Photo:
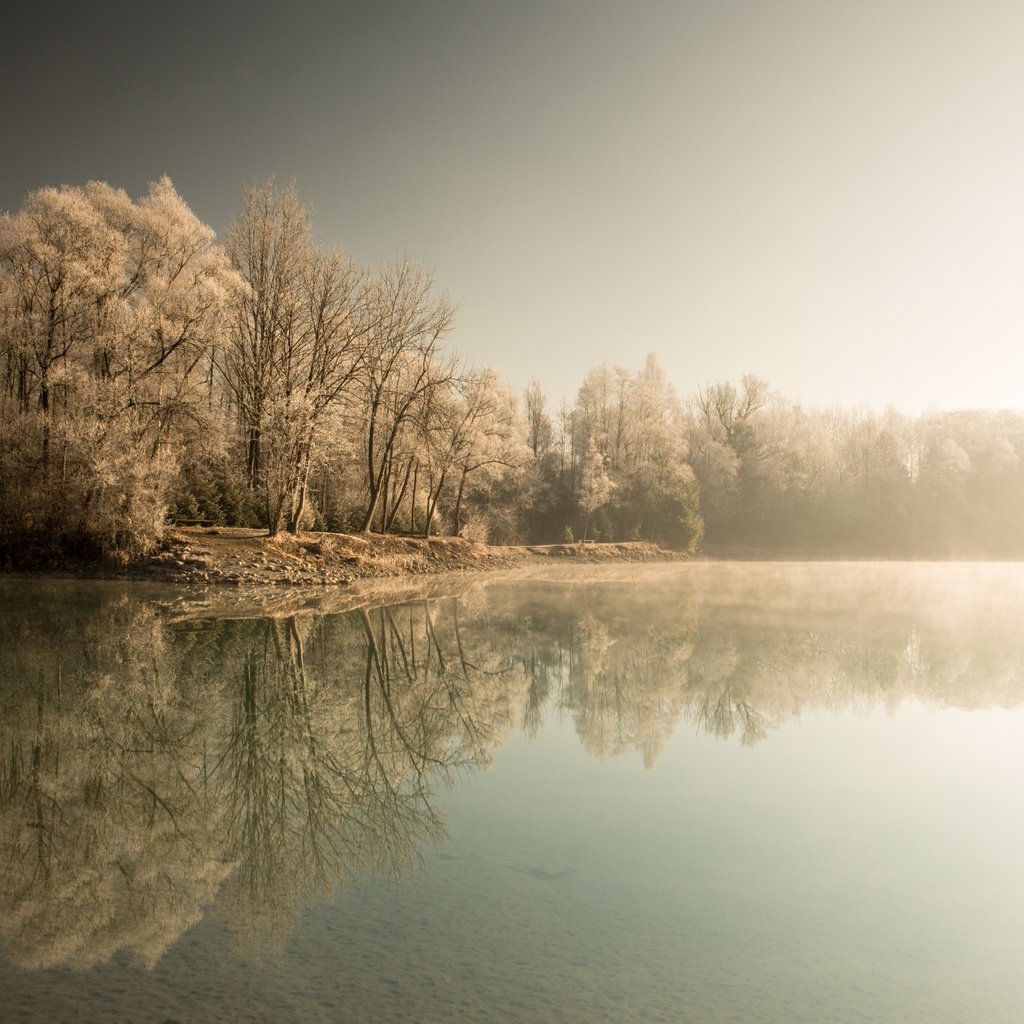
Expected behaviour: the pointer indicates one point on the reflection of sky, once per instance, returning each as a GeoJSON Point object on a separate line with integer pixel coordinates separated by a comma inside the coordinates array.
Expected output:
{"type": "Point", "coordinates": [851, 867]}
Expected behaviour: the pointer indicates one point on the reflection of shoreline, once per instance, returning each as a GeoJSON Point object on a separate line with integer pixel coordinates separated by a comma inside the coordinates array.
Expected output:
{"type": "Point", "coordinates": [154, 762]}
{"type": "Point", "coordinates": [891, 586]}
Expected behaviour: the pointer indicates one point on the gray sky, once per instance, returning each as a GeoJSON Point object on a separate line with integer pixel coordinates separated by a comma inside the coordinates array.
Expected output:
{"type": "Point", "coordinates": [827, 194]}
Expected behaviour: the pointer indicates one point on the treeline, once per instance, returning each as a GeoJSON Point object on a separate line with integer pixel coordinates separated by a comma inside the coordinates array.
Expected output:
{"type": "Point", "coordinates": [266, 380]}
{"type": "Point", "coordinates": [152, 372]}
{"type": "Point", "coordinates": [947, 484]}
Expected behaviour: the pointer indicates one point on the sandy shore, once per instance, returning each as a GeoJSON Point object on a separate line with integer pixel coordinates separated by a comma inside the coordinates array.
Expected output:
{"type": "Point", "coordinates": [235, 556]}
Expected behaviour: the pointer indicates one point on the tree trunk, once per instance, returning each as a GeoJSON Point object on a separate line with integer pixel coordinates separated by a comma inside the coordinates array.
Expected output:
{"type": "Point", "coordinates": [297, 504]}
{"type": "Point", "coordinates": [252, 457]}
{"type": "Point", "coordinates": [275, 513]}
{"type": "Point", "coordinates": [412, 500]}
{"type": "Point", "coordinates": [385, 500]}
{"type": "Point", "coordinates": [364, 526]}
{"type": "Point", "coordinates": [44, 406]}
{"type": "Point", "coordinates": [458, 503]}
{"type": "Point", "coordinates": [432, 506]}
{"type": "Point", "coordinates": [375, 487]}
{"type": "Point", "coordinates": [396, 501]}
{"type": "Point", "coordinates": [298, 507]}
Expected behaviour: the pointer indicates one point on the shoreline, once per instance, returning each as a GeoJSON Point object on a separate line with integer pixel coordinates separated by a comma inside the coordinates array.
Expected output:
{"type": "Point", "coordinates": [234, 557]}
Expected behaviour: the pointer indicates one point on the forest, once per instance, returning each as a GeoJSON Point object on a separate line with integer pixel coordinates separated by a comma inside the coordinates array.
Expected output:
{"type": "Point", "coordinates": [155, 374]}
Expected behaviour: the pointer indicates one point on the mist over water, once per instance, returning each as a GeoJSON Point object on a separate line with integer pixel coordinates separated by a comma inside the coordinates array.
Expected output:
{"type": "Point", "coordinates": [704, 791]}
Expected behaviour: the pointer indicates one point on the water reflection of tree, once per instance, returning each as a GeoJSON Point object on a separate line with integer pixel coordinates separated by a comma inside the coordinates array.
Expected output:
{"type": "Point", "coordinates": [101, 847]}
{"type": "Point", "coordinates": [613, 667]}
{"type": "Point", "coordinates": [329, 766]}
{"type": "Point", "coordinates": [628, 668]}
{"type": "Point", "coordinates": [150, 766]}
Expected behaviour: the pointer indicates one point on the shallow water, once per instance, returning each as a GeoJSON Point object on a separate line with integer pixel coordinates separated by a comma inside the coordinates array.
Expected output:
{"type": "Point", "coordinates": [710, 793]}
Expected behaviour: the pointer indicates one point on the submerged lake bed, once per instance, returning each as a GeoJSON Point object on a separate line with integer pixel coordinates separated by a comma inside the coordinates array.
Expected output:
{"type": "Point", "coordinates": [708, 792]}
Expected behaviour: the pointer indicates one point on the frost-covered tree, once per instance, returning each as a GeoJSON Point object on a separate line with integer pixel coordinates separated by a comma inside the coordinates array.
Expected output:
{"type": "Point", "coordinates": [110, 310]}
{"type": "Point", "coordinates": [539, 431]}
{"type": "Point", "coordinates": [476, 440]}
{"type": "Point", "coordinates": [596, 485]}
{"type": "Point", "coordinates": [295, 347]}
{"type": "Point", "coordinates": [404, 370]}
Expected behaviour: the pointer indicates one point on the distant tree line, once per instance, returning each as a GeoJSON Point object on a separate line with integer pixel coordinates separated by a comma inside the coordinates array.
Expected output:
{"type": "Point", "coordinates": [851, 482]}
{"type": "Point", "coordinates": [154, 373]}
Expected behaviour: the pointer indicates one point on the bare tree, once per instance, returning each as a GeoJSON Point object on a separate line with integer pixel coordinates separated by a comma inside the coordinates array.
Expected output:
{"type": "Point", "coordinates": [539, 431]}
{"type": "Point", "coordinates": [403, 369]}
{"type": "Point", "coordinates": [295, 348]}
{"type": "Point", "coordinates": [474, 431]}
{"type": "Point", "coordinates": [269, 246]}
{"type": "Point", "coordinates": [726, 412]}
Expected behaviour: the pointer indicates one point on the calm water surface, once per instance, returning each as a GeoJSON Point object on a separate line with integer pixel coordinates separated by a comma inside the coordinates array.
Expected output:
{"type": "Point", "coordinates": [778, 793]}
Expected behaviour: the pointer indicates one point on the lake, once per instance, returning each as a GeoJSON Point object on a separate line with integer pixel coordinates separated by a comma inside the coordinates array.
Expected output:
{"type": "Point", "coordinates": [695, 792]}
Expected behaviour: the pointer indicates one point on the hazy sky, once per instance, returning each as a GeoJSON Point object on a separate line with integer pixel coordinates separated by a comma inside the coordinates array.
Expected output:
{"type": "Point", "coordinates": [827, 194]}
